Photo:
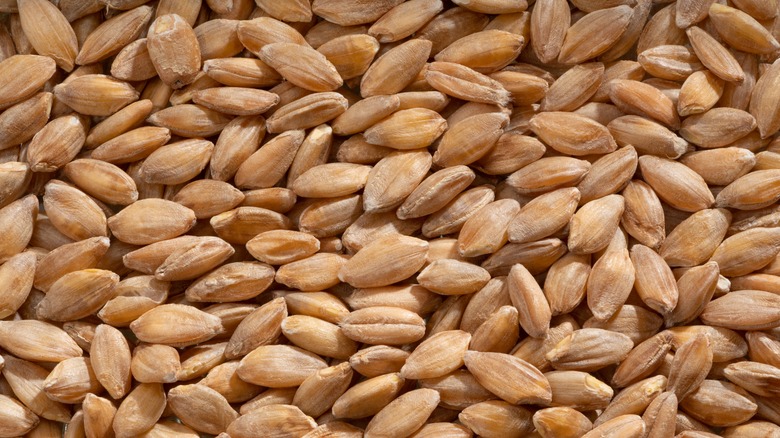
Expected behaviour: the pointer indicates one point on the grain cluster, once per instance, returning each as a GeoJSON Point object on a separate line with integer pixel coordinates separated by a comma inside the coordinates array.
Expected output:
{"type": "Point", "coordinates": [390, 218]}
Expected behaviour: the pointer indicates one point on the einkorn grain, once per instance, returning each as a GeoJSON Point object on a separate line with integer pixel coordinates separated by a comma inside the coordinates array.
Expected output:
{"type": "Point", "coordinates": [389, 218]}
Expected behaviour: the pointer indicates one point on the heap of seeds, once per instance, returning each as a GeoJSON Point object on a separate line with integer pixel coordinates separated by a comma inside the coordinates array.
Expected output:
{"type": "Point", "coordinates": [389, 218]}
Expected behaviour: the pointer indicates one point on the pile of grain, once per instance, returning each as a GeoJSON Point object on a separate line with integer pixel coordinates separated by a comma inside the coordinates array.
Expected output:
{"type": "Point", "coordinates": [337, 218]}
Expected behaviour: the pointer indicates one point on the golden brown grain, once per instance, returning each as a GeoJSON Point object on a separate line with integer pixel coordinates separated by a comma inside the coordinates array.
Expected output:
{"type": "Point", "coordinates": [511, 218]}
